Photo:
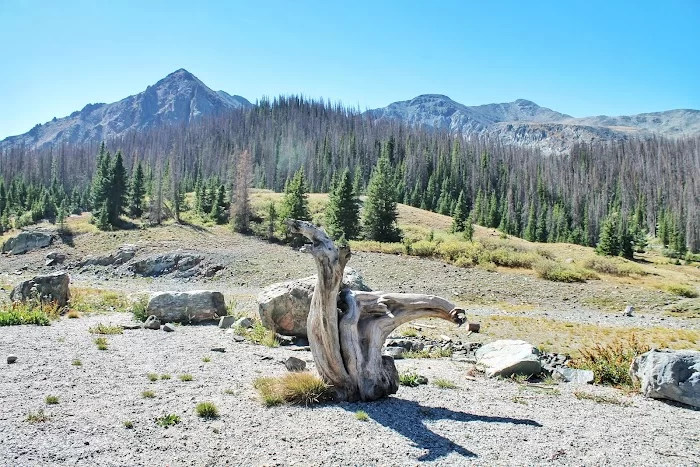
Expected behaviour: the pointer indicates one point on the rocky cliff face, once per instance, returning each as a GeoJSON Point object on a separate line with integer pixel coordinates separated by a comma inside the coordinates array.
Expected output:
{"type": "Point", "coordinates": [178, 98]}
{"type": "Point", "coordinates": [525, 123]}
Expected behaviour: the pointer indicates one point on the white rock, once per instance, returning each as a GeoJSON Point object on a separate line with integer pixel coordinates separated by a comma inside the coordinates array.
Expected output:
{"type": "Point", "coordinates": [507, 357]}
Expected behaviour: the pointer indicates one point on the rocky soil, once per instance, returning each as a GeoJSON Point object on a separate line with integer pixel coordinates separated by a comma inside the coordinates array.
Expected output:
{"type": "Point", "coordinates": [482, 422]}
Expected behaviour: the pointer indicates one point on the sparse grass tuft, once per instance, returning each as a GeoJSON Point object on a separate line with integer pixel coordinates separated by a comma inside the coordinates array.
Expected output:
{"type": "Point", "coordinates": [165, 376]}
{"type": "Point", "coordinates": [409, 332]}
{"type": "Point", "coordinates": [682, 290]}
{"type": "Point", "coordinates": [520, 379]}
{"type": "Point", "coordinates": [685, 309]}
{"type": "Point", "coordinates": [435, 353]}
{"type": "Point", "coordinates": [259, 334]}
{"type": "Point", "coordinates": [614, 267]}
{"type": "Point", "coordinates": [611, 362]}
{"type": "Point", "coordinates": [148, 394]}
{"type": "Point", "coordinates": [362, 416]}
{"type": "Point", "coordinates": [152, 377]}
{"type": "Point", "coordinates": [207, 410]}
{"type": "Point", "coordinates": [72, 314]}
{"type": "Point", "coordinates": [106, 329]}
{"type": "Point", "coordinates": [101, 343]}
{"type": "Point", "coordinates": [76, 362]}
{"type": "Point", "coordinates": [128, 424]}
{"type": "Point", "coordinates": [444, 384]}
{"type": "Point", "coordinates": [38, 417]}
{"type": "Point", "coordinates": [139, 309]}
{"type": "Point", "coordinates": [168, 420]}
{"type": "Point", "coordinates": [294, 388]}
{"type": "Point", "coordinates": [206, 359]}
{"type": "Point", "coordinates": [600, 399]}
{"type": "Point", "coordinates": [51, 400]}
{"type": "Point", "coordinates": [186, 377]}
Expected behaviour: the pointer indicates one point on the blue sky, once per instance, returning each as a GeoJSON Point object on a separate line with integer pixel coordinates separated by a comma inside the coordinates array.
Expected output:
{"type": "Point", "coordinates": [577, 57]}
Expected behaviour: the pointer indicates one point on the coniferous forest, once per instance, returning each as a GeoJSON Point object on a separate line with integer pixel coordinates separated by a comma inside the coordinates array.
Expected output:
{"type": "Point", "coordinates": [610, 194]}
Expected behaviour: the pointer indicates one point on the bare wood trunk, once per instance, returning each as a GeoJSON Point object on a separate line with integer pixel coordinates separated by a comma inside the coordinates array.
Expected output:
{"type": "Point", "coordinates": [347, 329]}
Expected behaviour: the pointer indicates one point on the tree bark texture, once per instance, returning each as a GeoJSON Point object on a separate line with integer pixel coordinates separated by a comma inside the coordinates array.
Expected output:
{"type": "Point", "coordinates": [347, 329]}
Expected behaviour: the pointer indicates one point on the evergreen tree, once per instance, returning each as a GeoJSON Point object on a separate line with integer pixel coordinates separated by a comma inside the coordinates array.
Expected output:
{"type": "Point", "coordinates": [343, 211]}
{"type": "Point", "coordinates": [380, 212]}
{"type": "Point", "coordinates": [137, 192]}
{"type": "Point", "coordinates": [459, 217]}
{"type": "Point", "coordinates": [626, 241]}
{"type": "Point", "coordinates": [240, 210]}
{"type": "Point", "coordinates": [531, 228]}
{"type": "Point", "coordinates": [469, 228]}
{"type": "Point", "coordinates": [219, 209]}
{"type": "Point", "coordinates": [271, 221]}
{"type": "Point", "coordinates": [101, 186]}
{"type": "Point", "coordinates": [61, 216]}
{"type": "Point", "coordinates": [295, 204]}
{"type": "Point", "coordinates": [609, 243]}
{"type": "Point", "coordinates": [493, 219]}
{"type": "Point", "coordinates": [102, 221]}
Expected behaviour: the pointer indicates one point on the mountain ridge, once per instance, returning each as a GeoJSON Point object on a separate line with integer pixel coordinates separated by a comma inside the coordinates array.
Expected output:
{"type": "Point", "coordinates": [180, 98]}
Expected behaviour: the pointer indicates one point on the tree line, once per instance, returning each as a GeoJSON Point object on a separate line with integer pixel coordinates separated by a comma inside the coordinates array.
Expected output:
{"type": "Point", "coordinates": [626, 189]}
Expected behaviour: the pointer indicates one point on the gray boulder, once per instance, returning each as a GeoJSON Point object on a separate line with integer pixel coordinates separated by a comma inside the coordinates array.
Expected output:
{"type": "Point", "coordinates": [226, 322]}
{"type": "Point", "coordinates": [294, 364]}
{"type": "Point", "coordinates": [573, 375]}
{"type": "Point", "coordinates": [54, 257]}
{"type": "Point", "coordinates": [123, 254]}
{"type": "Point", "coordinates": [187, 307]}
{"type": "Point", "coordinates": [169, 327]}
{"type": "Point", "coordinates": [669, 374]}
{"type": "Point", "coordinates": [508, 357]}
{"type": "Point", "coordinates": [47, 288]}
{"type": "Point", "coordinates": [27, 241]}
{"type": "Point", "coordinates": [394, 352]}
{"type": "Point", "coordinates": [284, 307]}
{"type": "Point", "coordinates": [157, 265]}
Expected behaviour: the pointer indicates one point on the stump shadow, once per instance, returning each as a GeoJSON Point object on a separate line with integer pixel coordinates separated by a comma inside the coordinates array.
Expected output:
{"type": "Point", "coordinates": [407, 418]}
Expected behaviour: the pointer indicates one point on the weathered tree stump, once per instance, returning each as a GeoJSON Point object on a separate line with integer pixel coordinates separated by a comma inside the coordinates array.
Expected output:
{"type": "Point", "coordinates": [347, 328]}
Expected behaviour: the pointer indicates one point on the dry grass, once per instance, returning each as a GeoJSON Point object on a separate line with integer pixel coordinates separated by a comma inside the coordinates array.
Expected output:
{"type": "Point", "coordinates": [611, 362]}
{"type": "Point", "coordinates": [614, 266]}
{"type": "Point", "coordinates": [685, 309]}
{"type": "Point", "coordinates": [106, 329]}
{"type": "Point", "coordinates": [601, 399]}
{"type": "Point", "coordinates": [293, 388]}
{"type": "Point", "coordinates": [89, 300]}
{"type": "Point", "coordinates": [682, 290]}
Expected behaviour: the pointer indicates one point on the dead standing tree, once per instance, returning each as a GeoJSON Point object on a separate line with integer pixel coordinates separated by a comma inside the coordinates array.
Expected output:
{"type": "Point", "coordinates": [347, 329]}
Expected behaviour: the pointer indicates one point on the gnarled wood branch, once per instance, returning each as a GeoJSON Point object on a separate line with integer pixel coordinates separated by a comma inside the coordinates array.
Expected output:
{"type": "Point", "coordinates": [347, 329]}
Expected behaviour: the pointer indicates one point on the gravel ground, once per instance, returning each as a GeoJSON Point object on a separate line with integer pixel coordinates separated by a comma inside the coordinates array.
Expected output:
{"type": "Point", "coordinates": [483, 422]}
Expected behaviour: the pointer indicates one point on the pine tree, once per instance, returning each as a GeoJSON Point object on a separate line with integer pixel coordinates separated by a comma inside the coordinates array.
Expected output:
{"type": "Point", "coordinates": [626, 241]}
{"type": "Point", "coordinates": [469, 228]}
{"type": "Point", "coordinates": [295, 204]}
{"type": "Point", "coordinates": [101, 186]}
{"type": "Point", "coordinates": [493, 218]}
{"type": "Point", "coordinates": [380, 212]}
{"type": "Point", "coordinates": [343, 211]}
{"type": "Point", "coordinates": [459, 217]}
{"type": "Point", "coordinates": [240, 209]}
{"type": "Point", "coordinates": [531, 228]}
{"type": "Point", "coordinates": [61, 216]}
{"type": "Point", "coordinates": [609, 243]}
{"type": "Point", "coordinates": [102, 221]}
{"type": "Point", "coordinates": [137, 192]}
{"type": "Point", "coordinates": [219, 209]}
{"type": "Point", "coordinates": [271, 221]}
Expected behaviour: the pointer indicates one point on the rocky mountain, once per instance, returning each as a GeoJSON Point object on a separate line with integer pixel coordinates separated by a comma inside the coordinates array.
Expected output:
{"type": "Point", "coordinates": [178, 98]}
{"type": "Point", "coordinates": [525, 123]}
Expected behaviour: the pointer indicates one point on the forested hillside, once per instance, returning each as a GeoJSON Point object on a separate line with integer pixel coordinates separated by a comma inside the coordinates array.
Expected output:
{"type": "Point", "coordinates": [640, 186]}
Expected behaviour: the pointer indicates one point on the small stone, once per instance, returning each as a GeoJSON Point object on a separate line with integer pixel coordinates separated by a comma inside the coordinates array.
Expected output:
{"type": "Point", "coordinates": [169, 327]}
{"type": "Point", "coordinates": [295, 364]}
{"type": "Point", "coordinates": [474, 327]}
{"type": "Point", "coordinates": [572, 375]}
{"type": "Point", "coordinates": [11, 359]}
{"type": "Point", "coordinates": [227, 321]}
{"type": "Point", "coordinates": [421, 379]}
{"type": "Point", "coordinates": [628, 310]}
{"type": "Point", "coordinates": [244, 323]}
{"type": "Point", "coordinates": [238, 338]}
{"type": "Point", "coordinates": [152, 323]}
{"type": "Point", "coordinates": [445, 338]}
{"type": "Point", "coordinates": [218, 349]}
{"type": "Point", "coordinates": [131, 326]}
{"type": "Point", "coordinates": [284, 340]}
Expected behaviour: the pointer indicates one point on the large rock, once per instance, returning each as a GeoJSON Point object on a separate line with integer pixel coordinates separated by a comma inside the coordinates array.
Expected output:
{"type": "Point", "coordinates": [284, 307]}
{"type": "Point", "coordinates": [48, 288]}
{"type": "Point", "coordinates": [508, 357]}
{"type": "Point", "coordinates": [669, 374]}
{"type": "Point", "coordinates": [187, 307]}
{"type": "Point", "coordinates": [27, 241]}
{"type": "Point", "coordinates": [166, 263]}
{"type": "Point", "coordinates": [123, 254]}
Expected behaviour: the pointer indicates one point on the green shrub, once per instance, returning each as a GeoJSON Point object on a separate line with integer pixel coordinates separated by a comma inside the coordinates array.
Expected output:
{"type": "Point", "coordinates": [444, 384]}
{"type": "Point", "coordinates": [148, 394]}
{"type": "Point", "coordinates": [610, 363]}
{"type": "Point", "coordinates": [128, 424]}
{"type": "Point", "coordinates": [38, 417]}
{"type": "Point", "coordinates": [101, 343]}
{"type": "Point", "coordinates": [139, 309]}
{"type": "Point", "coordinates": [556, 272]}
{"type": "Point", "coordinates": [186, 377]}
{"type": "Point", "coordinates": [207, 410]}
{"type": "Point", "coordinates": [19, 313]}
{"type": "Point", "coordinates": [423, 248]}
{"type": "Point", "coordinates": [412, 379]}
{"type": "Point", "coordinates": [614, 267]}
{"type": "Point", "coordinates": [259, 334]}
{"type": "Point", "coordinates": [168, 420]}
{"type": "Point", "coordinates": [682, 290]}
{"type": "Point", "coordinates": [508, 258]}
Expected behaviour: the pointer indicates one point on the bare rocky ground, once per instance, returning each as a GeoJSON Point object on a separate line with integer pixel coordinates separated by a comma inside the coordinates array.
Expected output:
{"type": "Point", "coordinates": [482, 422]}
